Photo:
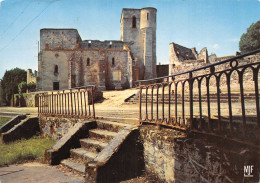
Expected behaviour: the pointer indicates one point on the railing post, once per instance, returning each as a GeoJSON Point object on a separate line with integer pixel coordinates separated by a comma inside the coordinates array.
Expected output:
{"type": "Point", "coordinates": [152, 102]}
{"type": "Point", "coordinates": [218, 104]}
{"type": "Point", "coordinates": [208, 103]}
{"type": "Point", "coordinates": [191, 99]}
{"type": "Point", "coordinates": [157, 103]}
{"type": "Point", "coordinates": [242, 102]}
{"type": "Point", "coordinates": [93, 107]}
{"type": "Point", "coordinates": [71, 100]}
{"type": "Point", "coordinates": [51, 102]}
{"type": "Point", "coordinates": [140, 103]}
{"type": "Point", "coordinates": [229, 104]}
{"type": "Point", "coordinates": [183, 105]}
{"type": "Point", "coordinates": [169, 104]}
{"type": "Point", "coordinates": [256, 70]}
{"type": "Point", "coordinates": [146, 103]}
{"type": "Point", "coordinates": [162, 102]}
{"type": "Point", "coordinates": [176, 103]}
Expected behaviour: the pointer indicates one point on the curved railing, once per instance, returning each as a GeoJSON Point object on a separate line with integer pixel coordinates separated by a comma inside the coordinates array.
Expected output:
{"type": "Point", "coordinates": [159, 98]}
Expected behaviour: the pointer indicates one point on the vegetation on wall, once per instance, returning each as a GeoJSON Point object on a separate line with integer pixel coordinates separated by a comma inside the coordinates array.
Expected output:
{"type": "Point", "coordinates": [9, 83]}
{"type": "Point", "coordinates": [250, 40]}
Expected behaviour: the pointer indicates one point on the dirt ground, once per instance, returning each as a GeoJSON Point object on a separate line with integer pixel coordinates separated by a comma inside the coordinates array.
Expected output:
{"type": "Point", "coordinates": [37, 173]}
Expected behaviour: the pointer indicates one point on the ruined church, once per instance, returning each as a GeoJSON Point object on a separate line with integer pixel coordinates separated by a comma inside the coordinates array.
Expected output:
{"type": "Point", "coordinates": [66, 61]}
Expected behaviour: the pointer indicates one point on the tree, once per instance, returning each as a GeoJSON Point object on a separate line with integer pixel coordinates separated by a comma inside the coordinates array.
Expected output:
{"type": "Point", "coordinates": [250, 40]}
{"type": "Point", "coordinates": [31, 87]}
{"type": "Point", "coordinates": [22, 87]}
{"type": "Point", "coordinates": [9, 83]}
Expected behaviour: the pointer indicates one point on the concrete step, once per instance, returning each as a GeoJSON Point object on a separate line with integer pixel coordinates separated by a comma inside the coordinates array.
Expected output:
{"type": "Point", "coordinates": [93, 144]}
{"type": "Point", "coordinates": [102, 134]}
{"type": "Point", "coordinates": [75, 165]}
{"type": "Point", "coordinates": [83, 154]}
{"type": "Point", "coordinates": [110, 126]}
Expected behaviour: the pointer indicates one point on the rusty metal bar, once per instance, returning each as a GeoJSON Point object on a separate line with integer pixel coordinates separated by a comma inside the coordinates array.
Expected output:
{"type": "Point", "coordinates": [71, 100]}
{"type": "Point", "coordinates": [152, 103]}
{"type": "Point", "coordinates": [52, 102]}
{"type": "Point", "coordinates": [200, 103]}
{"type": "Point", "coordinates": [242, 103]}
{"type": "Point", "coordinates": [218, 103]}
{"type": "Point", "coordinates": [257, 95]}
{"type": "Point", "coordinates": [157, 103]}
{"type": "Point", "coordinates": [93, 108]}
{"type": "Point", "coordinates": [146, 103]}
{"type": "Point", "coordinates": [78, 113]}
{"type": "Point", "coordinates": [163, 102]}
{"type": "Point", "coordinates": [183, 105]}
{"type": "Point", "coordinates": [208, 103]}
{"type": "Point", "coordinates": [191, 99]}
{"type": "Point", "coordinates": [176, 103]}
{"type": "Point", "coordinates": [89, 112]}
{"type": "Point", "coordinates": [39, 105]}
{"type": "Point", "coordinates": [62, 102]}
{"type": "Point", "coordinates": [229, 104]}
{"type": "Point", "coordinates": [140, 104]}
{"type": "Point", "coordinates": [85, 101]}
{"type": "Point", "coordinates": [81, 103]}
{"type": "Point", "coordinates": [169, 104]}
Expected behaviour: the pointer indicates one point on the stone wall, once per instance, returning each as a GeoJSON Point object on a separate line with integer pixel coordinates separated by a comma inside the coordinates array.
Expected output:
{"type": "Point", "coordinates": [31, 77]}
{"type": "Point", "coordinates": [83, 67]}
{"type": "Point", "coordinates": [56, 127]}
{"type": "Point", "coordinates": [171, 156]}
{"type": "Point", "coordinates": [26, 100]}
{"type": "Point", "coordinates": [58, 39]}
{"type": "Point", "coordinates": [162, 70]}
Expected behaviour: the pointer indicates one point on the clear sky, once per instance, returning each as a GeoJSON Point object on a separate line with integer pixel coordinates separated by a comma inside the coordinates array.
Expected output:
{"type": "Point", "coordinates": [215, 24]}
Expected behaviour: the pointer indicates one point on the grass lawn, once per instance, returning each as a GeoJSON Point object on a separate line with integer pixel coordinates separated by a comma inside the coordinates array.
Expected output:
{"type": "Point", "coordinates": [22, 151]}
{"type": "Point", "coordinates": [3, 120]}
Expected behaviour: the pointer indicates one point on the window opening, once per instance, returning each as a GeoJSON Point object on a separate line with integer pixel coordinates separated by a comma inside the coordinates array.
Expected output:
{"type": "Point", "coordinates": [56, 85]}
{"type": "Point", "coordinates": [134, 22]}
{"type": "Point", "coordinates": [113, 61]}
{"type": "Point", "coordinates": [56, 69]}
{"type": "Point", "coordinates": [88, 61]}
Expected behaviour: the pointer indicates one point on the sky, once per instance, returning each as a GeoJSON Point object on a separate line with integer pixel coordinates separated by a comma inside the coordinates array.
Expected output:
{"type": "Point", "coordinates": [215, 24]}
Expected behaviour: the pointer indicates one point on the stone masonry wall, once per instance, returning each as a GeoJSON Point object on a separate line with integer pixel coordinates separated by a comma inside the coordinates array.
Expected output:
{"type": "Point", "coordinates": [171, 156]}
{"type": "Point", "coordinates": [56, 127]}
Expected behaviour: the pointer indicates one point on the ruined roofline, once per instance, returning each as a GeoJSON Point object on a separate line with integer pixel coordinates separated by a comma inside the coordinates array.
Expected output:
{"type": "Point", "coordinates": [182, 46]}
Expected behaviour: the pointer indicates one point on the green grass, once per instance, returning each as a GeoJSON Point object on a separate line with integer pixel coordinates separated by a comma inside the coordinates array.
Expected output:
{"type": "Point", "coordinates": [3, 120]}
{"type": "Point", "coordinates": [22, 151]}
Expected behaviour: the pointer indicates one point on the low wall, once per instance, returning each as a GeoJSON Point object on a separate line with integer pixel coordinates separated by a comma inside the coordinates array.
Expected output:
{"type": "Point", "coordinates": [56, 127]}
{"type": "Point", "coordinates": [27, 128]}
{"type": "Point", "coordinates": [171, 156]}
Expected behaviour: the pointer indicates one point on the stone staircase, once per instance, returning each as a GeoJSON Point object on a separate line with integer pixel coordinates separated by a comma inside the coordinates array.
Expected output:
{"type": "Point", "coordinates": [97, 139]}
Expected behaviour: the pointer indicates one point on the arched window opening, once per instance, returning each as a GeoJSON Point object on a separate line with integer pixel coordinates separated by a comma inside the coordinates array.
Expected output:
{"type": "Point", "coordinates": [56, 69]}
{"type": "Point", "coordinates": [134, 22]}
{"type": "Point", "coordinates": [88, 61]}
{"type": "Point", "coordinates": [113, 61]}
{"type": "Point", "coordinates": [147, 16]}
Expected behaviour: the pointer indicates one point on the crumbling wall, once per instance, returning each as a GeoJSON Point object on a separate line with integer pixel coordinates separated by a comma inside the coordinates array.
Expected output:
{"type": "Point", "coordinates": [58, 39]}
{"type": "Point", "coordinates": [171, 156]}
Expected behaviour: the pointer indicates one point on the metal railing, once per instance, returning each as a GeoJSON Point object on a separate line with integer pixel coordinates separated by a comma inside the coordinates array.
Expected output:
{"type": "Point", "coordinates": [75, 102]}
{"type": "Point", "coordinates": [159, 98]}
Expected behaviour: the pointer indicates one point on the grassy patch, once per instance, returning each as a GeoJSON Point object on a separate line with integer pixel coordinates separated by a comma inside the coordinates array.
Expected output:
{"type": "Point", "coordinates": [23, 150]}
{"type": "Point", "coordinates": [3, 120]}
